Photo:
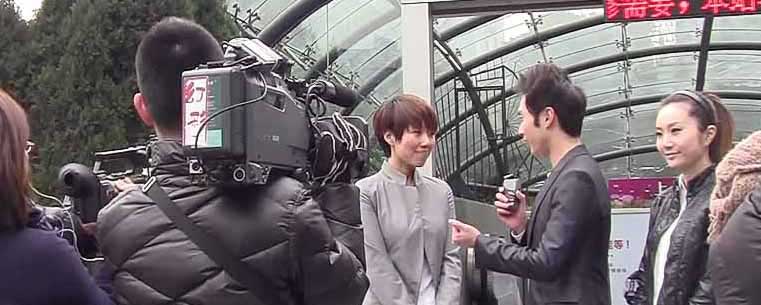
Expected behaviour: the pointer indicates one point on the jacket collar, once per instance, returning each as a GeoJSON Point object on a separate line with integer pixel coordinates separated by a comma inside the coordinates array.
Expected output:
{"type": "Point", "coordinates": [575, 151]}
{"type": "Point", "coordinates": [168, 157]}
{"type": "Point", "coordinates": [395, 176]}
{"type": "Point", "coordinates": [570, 155]}
{"type": "Point", "coordinates": [702, 180]}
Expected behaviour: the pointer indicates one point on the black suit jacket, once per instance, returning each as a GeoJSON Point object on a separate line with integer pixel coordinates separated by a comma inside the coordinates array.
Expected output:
{"type": "Point", "coordinates": [563, 257]}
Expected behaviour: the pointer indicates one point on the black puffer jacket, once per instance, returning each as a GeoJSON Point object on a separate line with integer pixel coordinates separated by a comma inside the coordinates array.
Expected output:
{"type": "Point", "coordinates": [686, 280]}
{"type": "Point", "coordinates": [275, 229]}
{"type": "Point", "coordinates": [736, 256]}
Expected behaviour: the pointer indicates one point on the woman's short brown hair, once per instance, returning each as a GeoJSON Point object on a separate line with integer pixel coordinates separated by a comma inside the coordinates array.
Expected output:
{"type": "Point", "coordinates": [403, 112]}
{"type": "Point", "coordinates": [14, 168]}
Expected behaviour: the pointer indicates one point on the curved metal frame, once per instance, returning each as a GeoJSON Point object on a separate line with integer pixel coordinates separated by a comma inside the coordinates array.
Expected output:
{"type": "Point", "coordinates": [650, 99]}
{"type": "Point", "coordinates": [643, 100]}
{"type": "Point", "coordinates": [475, 100]}
{"type": "Point", "coordinates": [705, 41]}
{"type": "Point", "coordinates": [445, 35]}
{"type": "Point", "coordinates": [373, 82]}
{"type": "Point", "coordinates": [351, 40]}
{"type": "Point", "coordinates": [724, 46]}
{"type": "Point", "coordinates": [522, 43]}
{"type": "Point", "coordinates": [276, 30]}
{"type": "Point", "coordinates": [466, 26]}
{"type": "Point", "coordinates": [639, 150]}
{"type": "Point", "coordinates": [302, 9]}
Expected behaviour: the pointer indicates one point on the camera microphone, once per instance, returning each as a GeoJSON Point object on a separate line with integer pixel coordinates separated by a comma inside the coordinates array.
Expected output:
{"type": "Point", "coordinates": [336, 94]}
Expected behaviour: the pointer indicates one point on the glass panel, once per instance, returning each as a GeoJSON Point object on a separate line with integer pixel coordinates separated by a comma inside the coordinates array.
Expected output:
{"type": "Point", "coordinates": [266, 10]}
{"type": "Point", "coordinates": [517, 61]}
{"type": "Point", "coordinates": [390, 87]}
{"type": "Point", "coordinates": [662, 74]}
{"type": "Point", "coordinates": [642, 165]}
{"type": "Point", "coordinates": [576, 47]}
{"type": "Point", "coordinates": [443, 24]}
{"type": "Point", "coordinates": [602, 84]}
{"type": "Point", "coordinates": [649, 34]}
{"type": "Point", "coordinates": [734, 70]}
{"type": "Point", "coordinates": [747, 116]}
{"type": "Point", "coordinates": [492, 35]}
{"type": "Point", "coordinates": [736, 28]}
{"type": "Point", "coordinates": [550, 19]}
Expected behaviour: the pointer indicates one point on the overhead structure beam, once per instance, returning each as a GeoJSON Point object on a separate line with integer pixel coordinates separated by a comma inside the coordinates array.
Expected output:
{"type": "Point", "coordinates": [373, 82]}
{"type": "Point", "coordinates": [650, 99]}
{"type": "Point", "coordinates": [475, 99]}
{"type": "Point", "coordinates": [705, 42]}
{"type": "Point", "coordinates": [607, 156]}
{"type": "Point", "coordinates": [382, 74]}
{"type": "Point", "coordinates": [337, 50]}
{"type": "Point", "coordinates": [445, 35]}
{"type": "Point", "coordinates": [466, 26]}
{"type": "Point", "coordinates": [681, 48]}
{"type": "Point", "coordinates": [482, 154]}
{"type": "Point", "coordinates": [470, 24]}
{"type": "Point", "coordinates": [644, 149]}
{"type": "Point", "coordinates": [643, 100]}
{"type": "Point", "coordinates": [283, 24]}
{"type": "Point", "coordinates": [520, 44]}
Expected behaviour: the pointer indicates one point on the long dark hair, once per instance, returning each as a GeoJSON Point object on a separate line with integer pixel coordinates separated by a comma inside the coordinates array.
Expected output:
{"type": "Point", "coordinates": [14, 168]}
{"type": "Point", "coordinates": [707, 109]}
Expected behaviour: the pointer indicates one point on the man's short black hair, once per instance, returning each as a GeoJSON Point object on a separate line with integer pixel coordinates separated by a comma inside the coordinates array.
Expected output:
{"type": "Point", "coordinates": [170, 47]}
{"type": "Point", "coordinates": [547, 85]}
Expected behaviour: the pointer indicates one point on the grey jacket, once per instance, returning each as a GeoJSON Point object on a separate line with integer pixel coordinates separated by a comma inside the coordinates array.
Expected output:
{"type": "Point", "coordinates": [399, 223]}
{"type": "Point", "coordinates": [275, 229]}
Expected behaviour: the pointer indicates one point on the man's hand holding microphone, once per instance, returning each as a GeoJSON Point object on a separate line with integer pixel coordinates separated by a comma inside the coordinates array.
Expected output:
{"type": "Point", "coordinates": [510, 205]}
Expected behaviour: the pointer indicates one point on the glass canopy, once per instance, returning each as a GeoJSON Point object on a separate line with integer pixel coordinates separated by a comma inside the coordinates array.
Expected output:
{"type": "Point", "coordinates": [624, 68]}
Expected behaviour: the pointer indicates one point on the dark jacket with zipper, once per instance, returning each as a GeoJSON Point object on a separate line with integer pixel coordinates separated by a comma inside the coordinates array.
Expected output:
{"type": "Point", "coordinates": [278, 230]}
{"type": "Point", "coordinates": [686, 280]}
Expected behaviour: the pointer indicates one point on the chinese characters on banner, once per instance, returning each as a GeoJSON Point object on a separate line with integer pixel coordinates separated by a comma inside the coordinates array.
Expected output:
{"type": "Point", "coordinates": [618, 245]}
{"type": "Point", "coordinates": [632, 10]}
{"type": "Point", "coordinates": [628, 231]}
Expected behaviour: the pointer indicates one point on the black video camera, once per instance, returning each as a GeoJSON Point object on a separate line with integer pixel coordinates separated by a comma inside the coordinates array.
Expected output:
{"type": "Point", "coordinates": [89, 190]}
{"type": "Point", "coordinates": [243, 119]}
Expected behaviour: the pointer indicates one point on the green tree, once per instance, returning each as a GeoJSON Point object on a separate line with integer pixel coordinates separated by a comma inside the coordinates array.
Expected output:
{"type": "Point", "coordinates": [14, 37]}
{"type": "Point", "coordinates": [84, 77]}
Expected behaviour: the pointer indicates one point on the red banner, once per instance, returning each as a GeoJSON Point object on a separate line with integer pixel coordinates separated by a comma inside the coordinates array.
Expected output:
{"type": "Point", "coordinates": [635, 10]}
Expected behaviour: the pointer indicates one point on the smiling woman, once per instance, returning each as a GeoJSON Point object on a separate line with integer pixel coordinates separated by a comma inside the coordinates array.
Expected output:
{"type": "Point", "coordinates": [693, 132]}
{"type": "Point", "coordinates": [410, 257]}
{"type": "Point", "coordinates": [405, 130]}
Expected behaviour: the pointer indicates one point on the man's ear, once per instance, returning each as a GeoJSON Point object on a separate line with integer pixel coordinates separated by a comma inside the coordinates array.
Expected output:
{"type": "Point", "coordinates": [549, 117]}
{"type": "Point", "coordinates": [142, 109]}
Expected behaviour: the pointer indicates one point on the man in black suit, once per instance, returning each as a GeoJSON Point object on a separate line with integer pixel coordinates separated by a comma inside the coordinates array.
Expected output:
{"type": "Point", "coordinates": [563, 255]}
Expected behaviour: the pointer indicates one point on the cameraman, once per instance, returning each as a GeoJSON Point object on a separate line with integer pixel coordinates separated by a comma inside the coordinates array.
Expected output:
{"type": "Point", "coordinates": [276, 229]}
